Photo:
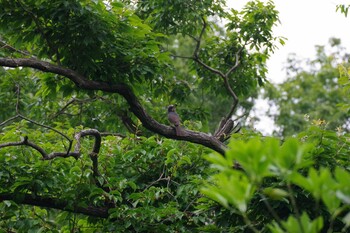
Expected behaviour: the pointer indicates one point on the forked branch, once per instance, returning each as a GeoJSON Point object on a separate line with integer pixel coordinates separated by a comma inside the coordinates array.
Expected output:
{"type": "Point", "coordinates": [76, 153]}
{"type": "Point", "coordinates": [227, 122]}
{"type": "Point", "coordinates": [124, 90]}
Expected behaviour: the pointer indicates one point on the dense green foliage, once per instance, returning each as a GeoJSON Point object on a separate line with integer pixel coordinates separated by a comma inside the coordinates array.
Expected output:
{"type": "Point", "coordinates": [151, 181]}
{"type": "Point", "coordinates": [75, 157]}
{"type": "Point", "coordinates": [299, 186]}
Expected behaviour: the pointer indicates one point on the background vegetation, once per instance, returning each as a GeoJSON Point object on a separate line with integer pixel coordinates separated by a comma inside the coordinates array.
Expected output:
{"type": "Point", "coordinates": [85, 145]}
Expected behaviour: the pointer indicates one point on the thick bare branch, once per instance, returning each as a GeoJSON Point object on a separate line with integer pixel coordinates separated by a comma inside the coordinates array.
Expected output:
{"type": "Point", "coordinates": [76, 154]}
{"type": "Point", "coordinates": [88, 132]}
{"type": "Point", "coordinates": [62, 155]}
{"type": "Point", "coordinates": [122, 89]}
{"type": "Point", "coordinates": [96, 148]}
{"type": "Point", "coordinates": [28, 199]}
{"type": "Point", "coordinates": [26, 142]}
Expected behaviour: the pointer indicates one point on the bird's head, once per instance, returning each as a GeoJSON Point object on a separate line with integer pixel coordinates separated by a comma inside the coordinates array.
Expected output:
{"type": "Point", "coordinates": [171, 108]}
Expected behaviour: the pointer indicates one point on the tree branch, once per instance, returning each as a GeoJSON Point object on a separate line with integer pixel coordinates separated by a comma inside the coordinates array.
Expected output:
{"type": "Point", "coordinates": [27, 143]}
{"type": "Point", "coordinates": [72, 102]}
{"type": "Point", "coordinates": [128, 122]}
{"type": "Point", "coordinates": [227, 122]}
{"type": "Point", "coordinates": [35, 123]}
{"type": "Point", "coordinates": [122, 89]}
{"type": "Point", "coordinates": [76, 154]}
{"type": "Point", "coordinates": [46, 202]}
{"type": "Point", "coordinates": [13, 49]}
{"type": "Point", "coordinates": [96, 148]}
{"type": "Point", "coordinates": [196, 52]}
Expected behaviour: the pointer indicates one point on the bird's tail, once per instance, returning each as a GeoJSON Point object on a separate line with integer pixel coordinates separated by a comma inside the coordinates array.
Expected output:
{"type": "Point", "coordinates": [179, 131]}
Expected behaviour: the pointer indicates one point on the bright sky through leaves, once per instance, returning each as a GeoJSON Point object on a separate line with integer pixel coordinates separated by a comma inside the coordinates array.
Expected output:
{"type": "Point", "coordinates": [304, 24]}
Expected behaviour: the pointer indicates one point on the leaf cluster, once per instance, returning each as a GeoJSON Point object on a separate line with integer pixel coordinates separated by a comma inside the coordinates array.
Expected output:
{"type": "Point", "coordinates": [285, 186]}
{"type": "Point", "coordinates": [313, 91]}
{"type": "Point", "coordinates": [102, 42]}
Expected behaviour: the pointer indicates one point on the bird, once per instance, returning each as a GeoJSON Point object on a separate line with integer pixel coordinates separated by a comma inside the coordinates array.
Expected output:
{"type": "Point", "coordinates": [174, 119]}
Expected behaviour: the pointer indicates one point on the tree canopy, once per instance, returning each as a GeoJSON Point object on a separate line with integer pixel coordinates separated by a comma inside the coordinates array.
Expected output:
{"type": "Point", "coordinates": [85, 144]}
{"type": "Point", "coordinates": [312, 91]}
{"type": "Point", "coordinates": [122, 48]}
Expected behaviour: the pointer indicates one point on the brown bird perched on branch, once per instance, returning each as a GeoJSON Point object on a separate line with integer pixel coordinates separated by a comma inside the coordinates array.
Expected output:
{"type": "Point", "coordinates": [175, 120]}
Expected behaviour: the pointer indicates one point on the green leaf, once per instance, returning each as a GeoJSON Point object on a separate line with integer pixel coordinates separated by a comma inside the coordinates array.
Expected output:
{"type": "Point", "coordinates": [232, 188]}
{"type": "Point", "coordinates": [254, 156]}
{"type": "Point", "coordinates": [346, 220]}
{"type": "Point", "coordinates": [275, 193]}
{"type": "Point", "coordinates": [7, 203]}
{"type": "Point", "coordinates": [304, 225]}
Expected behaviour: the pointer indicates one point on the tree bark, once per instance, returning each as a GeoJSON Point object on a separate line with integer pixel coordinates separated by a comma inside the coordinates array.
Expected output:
{"type": "Point", "coordinates": [28, 199]}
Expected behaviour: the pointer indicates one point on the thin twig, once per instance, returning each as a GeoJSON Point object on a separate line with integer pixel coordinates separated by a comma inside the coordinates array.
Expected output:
{"type": "Point", "coordinates": [183, 57]}
{"type": "Point", "coordinates": [72, 101]}
{"type": "Point", "coordinates": [18, 92]}
{"type": "Point", "coordinates": [295, 207]}
{"type": "Point", "coordinates": [272, 211]}
{"type": "Point", "coordinates": [218, 72]}
{"type": "Point", "coordinates": [63, 108]}
{"type": "Point", "coordinates": [156, 181]}
{"type": "Point", "coordinates": [44, 126]}
{"type": "Point", "coordinates": [197, 48]}
{"type": "Point", "coordinates": [9, 47]}
{"type": "Point", "coordinates": [241, 116]}
{"type": "Point", "coordinates": [193, 37]}
{"type": "Point", "coordinates": [8, 120]}
{"type": "Point", "coordinates": [249, 223]}
{"type": "Point", "coordinates": [236, 62]}
{"type": "Point", "coordinates": [198, 45]}
{"type": "Point", "coordinates": [104, 134]}
{"type": "Point", "coordinates": [39, 124]}
{"type": "Point", "coordinates": [211, 69]}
